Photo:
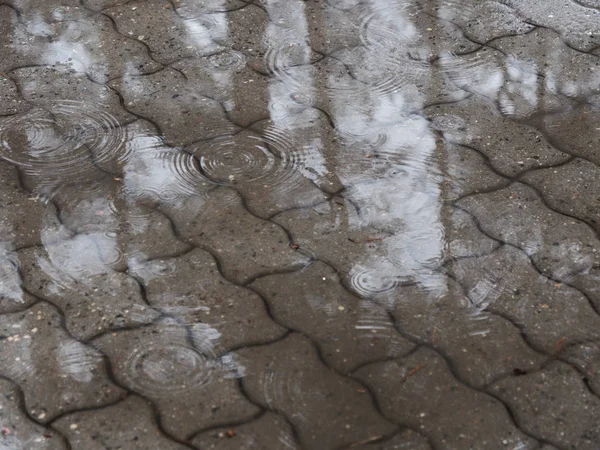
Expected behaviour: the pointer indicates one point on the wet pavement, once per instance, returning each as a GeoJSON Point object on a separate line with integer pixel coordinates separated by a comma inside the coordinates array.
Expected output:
{"type": "Point", "coordinates": [319, 224]}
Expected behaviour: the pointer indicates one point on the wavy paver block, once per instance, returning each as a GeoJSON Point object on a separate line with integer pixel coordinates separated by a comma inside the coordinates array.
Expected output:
{"type": "Point", "coordinates": [555, 405]}
{"type": "Point", "coordinates": [178, 107]}
{"type": "Point", "coordinates": [482, 347]}
{"type": "Point", "coordinates": [269, 432]}
{"type": "Point", "coordinates": [56, 373]}
{"type": "Point", "coordinates": [559, 245]}
{"type": "Point", "coordinates": [130, 423]}
{"type": "Point", "coordinates": [349, 331]}
{"type": "Point", "coordinates": [328, 411]}
{"type": "Point", "coordinates": [92, 304]}
{"type": "Point", "coordinates": [511, 147]}
{"type": "Point", "coordinates": [550, 314]}
{"type": "Point", "coordinates": [571, 189]}
{"type": "Point", "coordinates": [421, 392]}
{"type": "Point", "coordinates": [244, 245]}
{"type": "Point", "coordinates": [22, 433]}
{"type": "Point", "coordinates": [21, 214]}
{"type": "Point", "coordinates": [191, 287]}
{"type": "Point", "coordinates": [178, 369]}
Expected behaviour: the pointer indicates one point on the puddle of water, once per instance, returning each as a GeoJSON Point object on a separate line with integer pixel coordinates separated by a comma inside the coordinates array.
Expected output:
{"type": "Point", "coordinates": [290, 225]}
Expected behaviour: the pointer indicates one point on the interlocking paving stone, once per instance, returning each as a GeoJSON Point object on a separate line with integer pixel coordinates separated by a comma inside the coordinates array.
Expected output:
{"type": "Point", "coordinates": [135, 231]}
{"type": "Point", "coordinates": [261, 169]}
{"type": "Point", "coordinates": [269, 432]}
{"type": "Point", "coordinates": [586, 357]}
{"type": "Point", "coordinates": [571, 189]}
{"type": "Point", "coordinates": [289, 378]}
{"type": "Point", "coordinates": [128, 424]}
{"type": "Point", "coordinates": [227, 78]}
{"type": "Point", "coordinates": [511, 147]}
{"type": "Point", "coordinates": [22, 214]}
{"type": "Point", "coordinates": [92, 304]}
{"type": "Point", "coordinates": [349, 331]}
{"type": "Point", "coordinates": [481, 346]}
{"type": "Point", "coordinates": [52, 85]}
{"type": "Point", "coordinates": [10, 100]}
{"type": "Point", "coordinates": [570, 131]}
{"type": "Point", "coordinates": [559, 245]}
{"type": "Point", "coordinates": [176, 367]}
{"type": "Point", "coordinates": [463, 238]}
{"type": "Point", "coordinates": [20, 432]}
{"type": "Point", "coordinates": [56, 373]}
{"type": "Point", "coordinates": [252, 247]}
{"type": "Point", "coordinates": [404, 390]}
{"type": "Point", "coordinates": [407, 439]}
{"type": "Point", "coordinates": [550, 314]}
{"type": "Point", "coordinates": [571, 73]}
{"type": "Point", "coordinates": [465, 171]}
{"type": "Point", "coordinates": [577, 24]}
{"type": "Point", "coordinates": [484, 20]}
{"type": "Point", "coordinates": [190, 287]}
{"type": "Point", "coordinates": [168, 37]}
{"type": "Point", "coordinates": [183, 114]}
{"type": "Point", "coordinates": [554, 404]}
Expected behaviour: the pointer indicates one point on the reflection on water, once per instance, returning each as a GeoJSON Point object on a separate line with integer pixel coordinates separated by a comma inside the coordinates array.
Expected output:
{"type": "Point", "coordinates": [287, 224]}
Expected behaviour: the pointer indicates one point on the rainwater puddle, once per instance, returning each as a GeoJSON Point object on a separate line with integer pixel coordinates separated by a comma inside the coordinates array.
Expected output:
{"type": "Point", "coordinates": [322, 225]}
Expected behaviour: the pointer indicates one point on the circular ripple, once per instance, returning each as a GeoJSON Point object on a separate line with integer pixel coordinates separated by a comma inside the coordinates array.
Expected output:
{"type": "Point", "coordinates": [371, 282]}
{"type": "Point", "coordinates": [156, 172]}
{"type": "Point", "coordinates": [248, 158]}
{"type": "Point", "coordinates": [226, 61]}
{"type": "Point", "coordinates": [389, 26]}
{"type": "Point", "coordinates": [168, 369]}
{"type": "Point", "coordinates": [63, 141]}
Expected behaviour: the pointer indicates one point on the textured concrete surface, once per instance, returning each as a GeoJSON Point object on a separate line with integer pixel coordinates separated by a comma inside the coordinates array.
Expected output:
{"type": "Point", "coordinates": [320, 225]}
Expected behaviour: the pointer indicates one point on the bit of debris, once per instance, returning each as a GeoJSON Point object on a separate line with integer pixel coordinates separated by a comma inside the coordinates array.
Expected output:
{"type": "Point", "coordinates": [412, 372]}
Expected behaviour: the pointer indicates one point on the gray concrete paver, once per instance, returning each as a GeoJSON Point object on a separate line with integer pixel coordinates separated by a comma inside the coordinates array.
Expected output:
{"type": "Point", "coordinates": [294, 382]}
{"type": "Point", "coordinates": [129, 423]}
{"type": "Point", "coordinates": [550, 314]}
{"type": "Point", "coordinates": [404, 390]}
{"type": "Point", "coordinates": [560, 246]}
{"type": "Point", "coordinates": [177, 368]}
{"type": "Point", "coordinates": [252, 239]}
{"type": "Point", "coordinates": [57, 373]}
{"type": "Point", "coordinates": [21, 433]}
{"type": "Point", "coordinates": [190, 287]}
{"type": "Point", "coordinates": [349, 331]}
{"type": "Point", "coordinates": [269, 432]}
{"type": "Point", "coordinates": [554, 404]}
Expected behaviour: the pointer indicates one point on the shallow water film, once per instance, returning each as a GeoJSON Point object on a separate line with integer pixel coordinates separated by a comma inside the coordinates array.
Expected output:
{"type": "Point", "coordinates": [287, 224]}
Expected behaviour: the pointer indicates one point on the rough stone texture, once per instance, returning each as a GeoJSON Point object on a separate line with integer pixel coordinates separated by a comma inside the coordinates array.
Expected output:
{"type": "Point", "coordinates": [130, 423]}
{"type": "Point", "coordinates": [250, 238]}
{"type": "Point", "coordinates": [312, 301]}
{"type": "Point", "coordinates": [22, 213]}
{"type": "Point", "coordinates": [190, 287]}
{"type": "Point", "coordinates": [570, 189]}
{"type": "Point", "coordinates": [176, 367]}
{"type": "Point", "coordinates": [20, 431]}
{"type": "Point", "coordinates": [550, 314]}
{"type": "Point", "coordinates": [510, 147]}
{"type": "Point", "coordinates": [560, 245]}
{"type": "Point", "coordinates": [294, 382]}
{"type": "Point", "coordinates": [184, 115]}
{"type": "Point", "coordinates": [403, 389]}
{"type": "Point", "coordinates": [564, 409]}
{"type": "Point", "coordinates": [92, 304]}
{"type": "Point", "coordinates": [56, 373]}
{"type": "Point", "coordinates": [481, 346]}
{"type": "Point", "coordinates": [268, 432]}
